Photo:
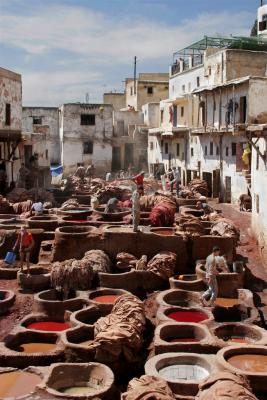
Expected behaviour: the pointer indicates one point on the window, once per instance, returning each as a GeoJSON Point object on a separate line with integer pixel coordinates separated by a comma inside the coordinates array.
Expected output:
{"type": "Point", "coordinates": [88, 147]}
{"type": "Point", "coordinates": [227, 151]}
{"type": "Point", "coordinates": [150, 90]}
{"type": "Point", "coordinates": [209, 71]}
{"type": "Point", "coordinates": [131, 90]}
{"type": "Point", "coordinates": [257, 157]}
{"type": "Point", "coordinates": [161, 115]}
{"type": "Point", "coordinates": [46, 154]}
{"type": "Point", "coordinates": [217, 150]}
{"type": "Point", "coordinates": [37, 120]}
{"type": "Point", "coordinates": [161, 143]}
{"type": "Point", "coordinates": [211, 148]}
{"type": "Point", "coordinates": [8, 114]}
{"type": "Point", "coordinates": [182, 111]}
{"type": "Point", "coordinates": [151, 145]}
{"type": "Point", "coordinates": [183, 88]}
{"type": "Point", "coordinates": [206, 150]}
{"type": "Point", "coordinates": [192, 151]}
{"type": "Point", "coordinates": [87, 119]}
{"type": "Point", "coordinates": [166, 148]}
{"type": "Point", "coordinates": [198, 81]}
{"type": "Point", "coordinates": [233, 149]}
{"type": "Point", "coordinates": [257, 200]}
{"type": "Point", "coordinates": [178, 149]}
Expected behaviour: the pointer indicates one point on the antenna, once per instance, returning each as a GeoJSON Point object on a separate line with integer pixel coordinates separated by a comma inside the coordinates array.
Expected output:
{"type": "Point", "coordinates": [135, 59]}
{"type": "Point", "coordinates": [87, 97]}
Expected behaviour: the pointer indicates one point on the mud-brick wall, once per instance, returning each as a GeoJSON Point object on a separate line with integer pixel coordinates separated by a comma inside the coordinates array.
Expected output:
{"type": "Point", "coordinates": [71, 246]}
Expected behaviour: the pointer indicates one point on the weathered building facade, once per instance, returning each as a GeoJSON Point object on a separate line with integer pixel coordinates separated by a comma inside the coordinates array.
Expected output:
{"type": "Point", "coordinates": [118, 100]}
{"type": "Point", "coordinates": [86, 132]}
{"type": "Point", "coordinates": [10, 122]}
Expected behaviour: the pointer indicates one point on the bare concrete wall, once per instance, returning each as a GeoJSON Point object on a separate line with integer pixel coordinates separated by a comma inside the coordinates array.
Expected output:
{"type": "Point", "coordinates": [11, 93]}
{"type": "Point", "coordinates": [118, 100]}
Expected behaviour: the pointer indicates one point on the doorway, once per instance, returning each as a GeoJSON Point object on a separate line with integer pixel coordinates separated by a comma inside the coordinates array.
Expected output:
{"type": "Point", "coordinates": [216, 183]}
{"type": "Point", "coordinates": [128, 155]}
{"type": "Point", "coordinates": [228, 192]}
{"type": "Point", "coordinates": [207, 176]}
{"type": "Point", "coordinates": [116, 158]}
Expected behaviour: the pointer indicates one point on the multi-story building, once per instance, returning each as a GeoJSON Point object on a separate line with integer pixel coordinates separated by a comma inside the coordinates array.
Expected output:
{"type": "Point", "coordinates": [147, 88]}
{"type": "Point", "coordinates": [86, 132]}
{"type": "Point", "coordinates": [10, 122]}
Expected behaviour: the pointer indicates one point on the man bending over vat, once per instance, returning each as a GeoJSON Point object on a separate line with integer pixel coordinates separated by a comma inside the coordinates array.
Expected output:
{"type": "Point", "coordinates": [211, 277]}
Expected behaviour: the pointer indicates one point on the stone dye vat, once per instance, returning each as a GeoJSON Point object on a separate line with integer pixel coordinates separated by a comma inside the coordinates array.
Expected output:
{"type": "Point", "coordinates": [46, 222]}
{"type": "Point", "coordinates": [182, 371]}
{"type": "Point", "coordinates": [88, 316]}
{"type": "Point", "coordinates": [79, 344]}
{"type": "Point", "coordinates": [238, 333]}
{"type": "Point", "coordinates": [183, 337]}
{"type": "Point", "coordinates": [187, 282]}
{"type": "Point", "coordinates": [51, 302]}
{"type": "Point", "coordinates": [247, 360]}
{"type": "Point", "coordinates": [234, 309]}
{"type": "Point", "coordinates": [85, 381]}
{"type": "Point", "coordinates": [177, 297]}
{"type": "Point", "coordinates": [104, 298]}
{"type": "Point", "coordinates": [39, 279]}
{"type": "Point", "coordinates": [44, 323]}
{"type": "Point", "coordinates": [163, 231]}
{"type": "Point", "coordinates": [182, 314]}
{"type": "Point", "coordinates": [17, 384]}
{"type": "Point", "coordinates": [31, 348]}
{"type": "Point", "coordinates": [124, 280]}
{"type": "Point", "coordinates": [76, 213]}
{"type": "Point", "coordinates": [7, 299]}
{"type": "Point", "coordinates": [117, 216]}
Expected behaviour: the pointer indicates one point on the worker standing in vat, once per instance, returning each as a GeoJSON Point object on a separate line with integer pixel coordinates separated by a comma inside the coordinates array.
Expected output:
{"type": "Point", "coordinates": [112, 206]}
{"type": "Point", "coordinates": [139, 180]}
{"type": "Point", "coordinates": [211, 277]}
{"type": "Point", "coordinates": [80, 171]}
{"type": "Point", "coordinates": [136, 210]}
{"type": "Point", "coordinates": [25, 244]}
{"type": "Point", "coordinates": [176, 180]}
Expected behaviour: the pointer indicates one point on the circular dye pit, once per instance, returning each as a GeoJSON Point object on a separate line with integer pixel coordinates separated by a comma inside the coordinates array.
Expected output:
{"type": "Point", "coordinates": [249, 362]}
{"type": "Point", "coordinates": [88, 342]}
{"type": "Point", "coordinates": [226, 302]}
{"type": "Point", "coordinates": [36, 347]}
{"type": "Point", "coordinates": [187, 316]}
{"type": "Point", "coordinates": [109, 298]}
{"type": "Point", "coordinates": [49, 326]}
{"type": "Point", "coordinates": [183, 340]}
{"type": "Point", "coordinates": [183, 372]}
{"type": "Point", "coordinates": [163, 232]}
{"type": "Point", "coordinates": [17, 383]}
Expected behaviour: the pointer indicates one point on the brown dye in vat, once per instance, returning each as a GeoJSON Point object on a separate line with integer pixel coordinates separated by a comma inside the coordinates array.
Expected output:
{"type": "Point", "coordinates": [164, 232]}
{"type": "Point", "coordinates": [109, 298]}
{"type": "Point", "coordinates": [249, 362]}
{"type": "Point", "coordinates": [78, 390]}
{"type": "Point", "coordinates": [86, 343]}
{"type": "Point", "coordinates": [36, 347]}
{"type": "Point", "coordinates": [17, 383]}
{"type": "Point", "coordinates": [225, 302]}
{"type": "Point", "coordinates": [186, 340]}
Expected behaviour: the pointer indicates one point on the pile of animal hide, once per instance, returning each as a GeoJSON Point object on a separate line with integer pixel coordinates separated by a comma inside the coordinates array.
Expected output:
{"type": "Point", "coordinates": [192, 226]}
{"type": "Point", "coordinates": [74, 183]}
{"type": "Point", "coordinates": [225, 227]}
{"type": "Point", "coordinates": [198, 186]}
{"type": "Point", "coordinates": [162, 264]}
{"type": "Point", "coordinates": [70, 204]}
{"type": "Point", "coordinates": [162, 214]}
{"type": "Point", "coordinates": [186, 193]}
{"type": "Point", "coordinates": [225, 385]}
{"type": "Point", "coordinates": [125, 261]}
{"type": "Point", "coordinates": [22, 207]}
{"type": "Point", "coordinates": [148, 388]}
{"type": "Point", "coordinates": [71, 275]}
{"type": "Point", "coordinates": [97, 260]}
{"type": "Point", "coordinates": [110, 191]}
{"type": "Point", "coordinates": [18, 195]}
{"type": "Point", "coordinates": [120, 334]}
{"type": "Point", "coordinates": [148, 202]}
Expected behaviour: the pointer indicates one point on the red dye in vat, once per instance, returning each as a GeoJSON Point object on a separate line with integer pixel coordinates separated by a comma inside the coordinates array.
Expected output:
{"type": "Point", "coordinates": [109, 298]}
{"type": "Point", "coordinates": [187, 340]}
{"type": "Point", "coordinates": [188, 316]}
{"type": "Point", "coordinates": [49, 326]}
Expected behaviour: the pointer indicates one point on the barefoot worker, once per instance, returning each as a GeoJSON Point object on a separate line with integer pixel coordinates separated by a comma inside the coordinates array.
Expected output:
{"type": "Point", "coordinates": [25, 244]}
{"type": "Point", "coordinates": [211, 277]}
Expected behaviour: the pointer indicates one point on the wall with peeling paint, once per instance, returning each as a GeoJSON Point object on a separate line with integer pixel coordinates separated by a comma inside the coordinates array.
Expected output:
{"type": "Point", "coordinates": [11, 93]}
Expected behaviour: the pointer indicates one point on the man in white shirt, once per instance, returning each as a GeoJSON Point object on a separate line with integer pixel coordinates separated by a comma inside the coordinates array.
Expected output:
{"type": "Point", "coordinates": [211, 273]}
{"type": "Point", "coordinates": [38, 208]}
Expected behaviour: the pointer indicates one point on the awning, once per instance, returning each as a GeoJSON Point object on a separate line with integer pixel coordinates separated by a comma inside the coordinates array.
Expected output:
{"type": "Point", "coordinates": [167, 133]}
{"type": "Point", "coordinates": [9, 135]}
{"type": "Point", "coordinates": [233, 82]}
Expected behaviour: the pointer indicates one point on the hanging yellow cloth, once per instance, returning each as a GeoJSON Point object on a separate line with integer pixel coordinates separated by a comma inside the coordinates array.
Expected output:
{"type": "Point", "coordinates": [246, 155]}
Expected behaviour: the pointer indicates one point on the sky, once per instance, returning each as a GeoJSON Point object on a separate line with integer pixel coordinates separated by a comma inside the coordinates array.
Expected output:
{"type": "Point", "coordinates": [67, 48]}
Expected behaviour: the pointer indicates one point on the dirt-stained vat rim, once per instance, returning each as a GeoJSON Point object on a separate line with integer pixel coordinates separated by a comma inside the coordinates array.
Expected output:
{"type": "Point", "coordinates": [166, 298]}
{"type": "Point", "coordinates": [75, 230]}
{"type": "Point", "coordinates": [162, 314]}
{"type": "Point", "coordinates": [72, 369]}
{"type": "Point", "coordinates": [74, 317]}
{"type": "Point", "coordinates": [254, 332]}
